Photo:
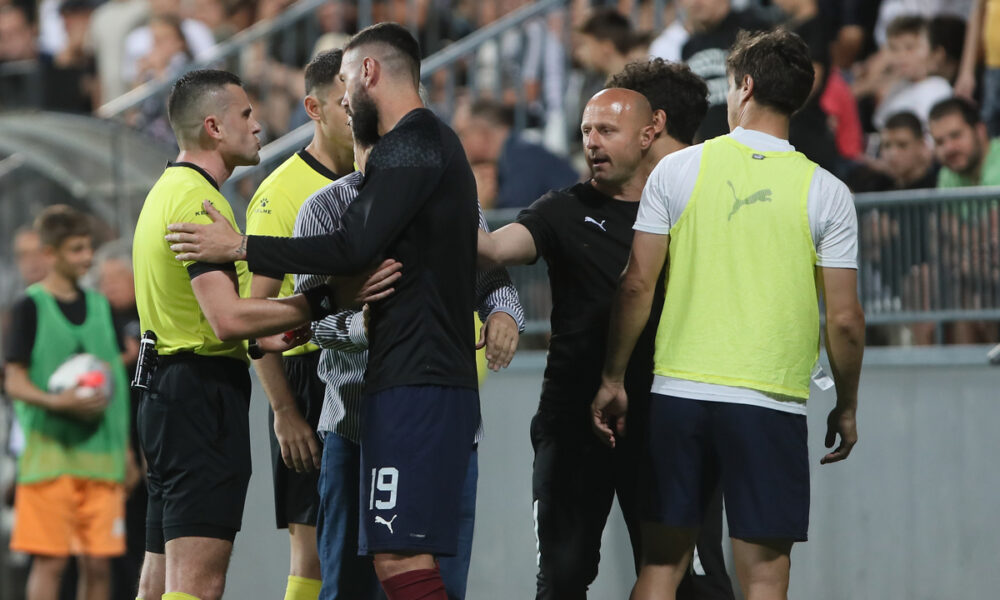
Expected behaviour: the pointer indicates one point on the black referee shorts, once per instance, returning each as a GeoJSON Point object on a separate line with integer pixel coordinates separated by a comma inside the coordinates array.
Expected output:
{"type": "Point", "coordinates": [296, 495]}
{"type": "Point", "coordinates": [195, 433]}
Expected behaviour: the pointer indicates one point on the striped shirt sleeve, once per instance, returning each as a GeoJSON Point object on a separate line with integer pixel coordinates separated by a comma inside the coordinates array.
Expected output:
{"type": "Point", "coordinates": [494, 290]}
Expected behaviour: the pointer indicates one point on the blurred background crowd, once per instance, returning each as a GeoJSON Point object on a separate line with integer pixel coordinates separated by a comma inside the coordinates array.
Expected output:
{"type": "Point", "coordinates": [905, 109]}
{"type": "Point", "coordinates": [907, 97]}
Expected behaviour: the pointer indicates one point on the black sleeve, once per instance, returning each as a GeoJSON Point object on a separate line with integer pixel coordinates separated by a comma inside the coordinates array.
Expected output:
{"type": "Point", "coordinates": [200, 268]}
{"type": "Point", "coordinates": [23, 325]}
{"type": "Point", "coordinates": [397, 184]}
{"type": "Point", "coordinates": [537, 220]}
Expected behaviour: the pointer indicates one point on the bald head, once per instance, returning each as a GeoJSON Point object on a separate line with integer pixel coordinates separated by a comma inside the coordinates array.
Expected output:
{"type": "Point", "coordinates": [625, 105]}
{"type": "Point", "coordinates": [617, 130]}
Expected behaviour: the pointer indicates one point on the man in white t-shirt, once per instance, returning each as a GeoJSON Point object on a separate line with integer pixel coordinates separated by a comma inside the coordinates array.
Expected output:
{"type": "Point", "coordinates": [754, 232]}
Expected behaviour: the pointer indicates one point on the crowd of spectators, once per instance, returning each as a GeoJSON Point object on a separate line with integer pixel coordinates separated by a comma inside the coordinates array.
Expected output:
{"type": "Point", "coordinates": [907, 94]}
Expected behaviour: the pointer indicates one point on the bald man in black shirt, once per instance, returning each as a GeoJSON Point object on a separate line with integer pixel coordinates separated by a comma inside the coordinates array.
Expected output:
{"type": "Point", "coordinates": [584, 233]}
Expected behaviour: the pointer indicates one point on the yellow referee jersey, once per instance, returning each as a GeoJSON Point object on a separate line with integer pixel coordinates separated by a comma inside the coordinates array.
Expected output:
{"type": "Point", "coordinates": [163, 292]}
{"type": "Point", "coordinates": [275, 205]}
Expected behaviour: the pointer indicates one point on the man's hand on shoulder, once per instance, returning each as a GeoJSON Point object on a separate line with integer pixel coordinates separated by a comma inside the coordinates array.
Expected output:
{"type": "Point", "coordinates": [215, 242]}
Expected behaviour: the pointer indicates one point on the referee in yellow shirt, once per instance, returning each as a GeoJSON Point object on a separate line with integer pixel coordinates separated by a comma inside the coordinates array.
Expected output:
{"type": "Point", "coordinates": [193, 423]}
{"type": "Point", "coordinates": [293, 387]}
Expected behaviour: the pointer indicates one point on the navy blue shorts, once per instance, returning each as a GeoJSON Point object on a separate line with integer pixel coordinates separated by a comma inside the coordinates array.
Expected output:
{"type": "Point", "coordinates": [759, 455]}
{"type": "Point", "coordinates": [415, 447]}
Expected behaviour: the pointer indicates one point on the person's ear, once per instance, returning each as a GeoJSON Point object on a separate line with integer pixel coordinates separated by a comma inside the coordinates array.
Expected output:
{"type": "Point", "coordinates": [371, 71]}
{"type": "Point", "coordinates": [659, 122]}
{"type": "Point", "coordinates": [747, 87]}
{"type": "Point", "coordinates": [212, 126]}
{"type": "Point", "coordinates": [313, 107]}
{"type": "Point", "coordinates": [646, 136]}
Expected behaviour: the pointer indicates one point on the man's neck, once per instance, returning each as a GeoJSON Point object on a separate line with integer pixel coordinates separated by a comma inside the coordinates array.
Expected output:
{"type": "Point", "coordinates": [661, 147]}
{"type": "Point", "coordinates": [394, 107]}
{"type": "Point", "coordinates": [335, 157]}
{"type": "Point", "coordinates": [766, 121]}
{"type": "Point", "coordinates": [210, 161]}
{"type": "Point", "coordinates": [60, 286]}
{"type": "Point", "coordinates": [629, 191]}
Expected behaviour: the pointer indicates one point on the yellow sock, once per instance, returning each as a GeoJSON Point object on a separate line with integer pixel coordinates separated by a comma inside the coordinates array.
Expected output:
{"type": "Point", "coordinates": [178, 596]}
{"type": "Point", "coordinates": [302, 588]}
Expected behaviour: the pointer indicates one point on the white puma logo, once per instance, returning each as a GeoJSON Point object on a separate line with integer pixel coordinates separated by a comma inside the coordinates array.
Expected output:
{"type": "Point", "coordinates": [380, 521]}
{"type": "Point", "coordinates": [594, 221]}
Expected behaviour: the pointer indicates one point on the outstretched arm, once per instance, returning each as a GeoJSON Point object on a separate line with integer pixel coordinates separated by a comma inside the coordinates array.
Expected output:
{"type": "Point", "coordinates": [385, 205]}
{"type": "Point", "coordinates": [510, 245]}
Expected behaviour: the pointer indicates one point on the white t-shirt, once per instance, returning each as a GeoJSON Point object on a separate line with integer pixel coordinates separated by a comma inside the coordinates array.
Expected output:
{"type": "Point", "coordinates": [832, 222]}
{"type": "Point", "coordinates": [669, 43]}
{"type": "Point", "coordinates": [918, 98]}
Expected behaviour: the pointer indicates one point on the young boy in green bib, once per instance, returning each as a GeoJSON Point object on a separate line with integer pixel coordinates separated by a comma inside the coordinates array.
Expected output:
{"type": "Point", "coordinates": [70, 495]}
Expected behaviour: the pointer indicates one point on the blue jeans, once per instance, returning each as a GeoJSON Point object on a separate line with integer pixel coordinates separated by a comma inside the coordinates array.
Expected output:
{"type": "Point", "coordinates": [349, 576]}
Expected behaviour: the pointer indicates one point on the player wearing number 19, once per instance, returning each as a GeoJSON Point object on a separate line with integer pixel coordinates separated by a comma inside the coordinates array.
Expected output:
{"type": "Point", "coordinates": [193, 421]}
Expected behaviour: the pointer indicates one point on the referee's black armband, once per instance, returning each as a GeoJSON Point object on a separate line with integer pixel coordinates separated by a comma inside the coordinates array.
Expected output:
{"type": "Point", "coordinates": [200, 268]}
{"type": "Point", "coordinates": [319, 302]}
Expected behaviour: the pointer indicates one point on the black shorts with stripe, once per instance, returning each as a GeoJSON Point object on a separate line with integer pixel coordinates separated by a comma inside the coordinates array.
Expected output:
{"type": "Point", "coordinates": [195, 434]}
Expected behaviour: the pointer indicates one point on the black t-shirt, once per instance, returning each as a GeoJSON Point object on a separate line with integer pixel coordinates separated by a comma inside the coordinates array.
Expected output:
{"type": "Point", "coordinates": [24, 324]}
{"type": "Point", "coordinates": [417, 205]}
{"type": "Point", "coordinates": [585, 238]}
{"type": "Point", "coordinates": [706, 52]}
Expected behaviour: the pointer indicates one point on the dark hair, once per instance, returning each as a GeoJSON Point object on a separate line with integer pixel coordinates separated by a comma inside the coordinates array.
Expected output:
{"type": "Point", "coordinates": [670, 87]}
{"type": "Point", "coordinates": [59, 222]}
{"type": "Point", "coordinates": [779, 63]}
{"type": "Point", "coordinates": [395, 36]}
{"type": "Point", "coordinates": [948, 32]}
{"type": "Point", "coordinates": [187, 90]}
{"type": "Point", "coordinates": [956, 105]}
{"type": "Point", "coordinates": [609, 24]}
{"type": "Point", "coordinates": [904, 24]}
{"type": "Point", "coordinates": [492, 112]}
{"type": "Point", "coordinates": [323, 69]}
{"type": "Point", "coordinates": [906, 120]}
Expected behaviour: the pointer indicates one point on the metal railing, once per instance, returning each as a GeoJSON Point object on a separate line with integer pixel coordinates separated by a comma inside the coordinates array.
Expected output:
{"type": "Point", "coordinates": [924, 256]}
{"type": "Point", "coordinates": [300, 12]}
{"type": "Point", "coordinates": [456, 56]}
{"type": "Point", "coordinates": [930, 255]}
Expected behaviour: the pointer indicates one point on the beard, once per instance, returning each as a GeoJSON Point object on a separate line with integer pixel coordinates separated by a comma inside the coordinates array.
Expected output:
{"type": "Point", "coordinates": [364, 119]}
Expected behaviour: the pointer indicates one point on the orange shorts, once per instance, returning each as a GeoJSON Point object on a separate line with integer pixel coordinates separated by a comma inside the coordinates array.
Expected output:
{"type": "Point", "coordinates": [69, 516]}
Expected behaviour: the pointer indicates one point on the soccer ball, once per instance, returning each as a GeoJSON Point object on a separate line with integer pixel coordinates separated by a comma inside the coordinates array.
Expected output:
{"type": "Point", "coordinates": [87, 371]}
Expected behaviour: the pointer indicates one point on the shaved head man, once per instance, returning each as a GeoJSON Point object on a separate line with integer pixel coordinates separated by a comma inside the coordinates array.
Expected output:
{"type": "Point", "coordinates": [584, 233]}
{"type": "Point", "coordinates": [617, 128]}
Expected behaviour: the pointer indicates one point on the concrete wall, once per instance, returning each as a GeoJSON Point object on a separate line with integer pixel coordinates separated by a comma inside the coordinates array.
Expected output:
{"type": "Point", "coordinates": [909, 516]}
